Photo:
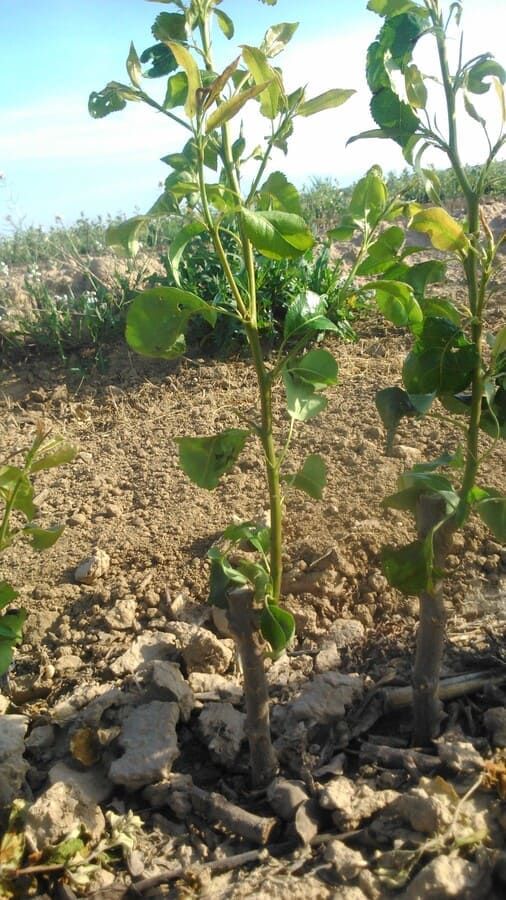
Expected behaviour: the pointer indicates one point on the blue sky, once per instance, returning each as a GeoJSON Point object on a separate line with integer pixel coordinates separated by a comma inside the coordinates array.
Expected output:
{"type": "Point", "coordinates": [56, 160]}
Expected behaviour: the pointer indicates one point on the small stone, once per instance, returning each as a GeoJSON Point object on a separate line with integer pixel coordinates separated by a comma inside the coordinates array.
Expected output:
{"type": "Point", "coordinates": [449, 876]}
{"type": "Point", "coordinates": [67, 664]}
{"type": "Point", "coordinates": [41, 737]}
{"type": "Point", "coordinates": [495, 722]}
{"type": "Point", "coordinates": [347, 862]}
{"type": "Point", "coordinates": [112, 510]}
{"type": "Point", "coordinates": [351, 803]}
{"type": "Point", "coordinates": [92, 786]}
{"type": "Point", "coordinates": [76, 519]}
{"type": "Point", "coordinates": [94, 567]}
{"type": "Point", "coordinates": [166, 676]}
{"type": "Point", "coordinates": [215, 687]}
{"type": "Point", "coordinates": [285, 796]}
{"type": "Point", "coordinates": [13, 766]}
{"type": "Point", "coordinates": [409, 455]}
{"type": "Point", "coordinates": [57, 812]}
{"type": "Point", "coordinates": [329, 658]}
{"type": "Point", "coordinates": [460, 756]}
{"type": "Point", "coordinates": [222, 728]}
{"type": "Point", "coordinates": [149, 738]}
{"type": "Point", "coordinates": [201, 650]}
{"type": "Point", "coordinates": [326, 698]}
{"type": "Point", "coordinates": [122, 615]}
{"type": "Point", "coordinates": [428, 808]}
{"type": "Point", "coordinates": [148, 646]}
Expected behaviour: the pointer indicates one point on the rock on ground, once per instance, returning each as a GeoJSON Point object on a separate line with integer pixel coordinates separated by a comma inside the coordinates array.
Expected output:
{"type": "Point", "coordinates": [221, 728]}
{"type": "Point", "coordinates": [94, 567]}
{"type": "Point", "coordinates": [92, 786]}
{"type": "Point", "coordinates": [148, 646]}
{"type": "Point", "coordinates": [327, 697]}
{"type": "Point", "coordinates": [167, 678]}
{"type": "Point", "coordinates": [351, 803]}
{"type": "Point", "coordinates": [57, 812]}
{"type": "Point", "coordinates": [446, 877]}
{"type": "Point", "coordinates": [201, 650]}
{"type": "Point", "coordinates": [495, 723]}
{"type": "Point", "coordinates": [149, 739]}
{"type": "Point", "coordinates": [13, 766]}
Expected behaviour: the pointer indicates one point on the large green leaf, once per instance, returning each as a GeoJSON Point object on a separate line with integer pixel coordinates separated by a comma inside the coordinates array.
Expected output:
{"type": "Point", "coordinates": [180, 242]}
{"type": "Point", "coordinates": [369, 197]}
{"type": "Point", "coordinates": [124, 238]}
{"type": "Point", "coordinates": [276, 234]}
{"type": "Point", "coordinates": [224, 576]}
{"type": "Point", "coordinates": [328, 100]}
{"type": "Point", "coordinates": [422, 274]}
{"type": "Point", "coordinates": [311, 477]}
{"type": "Point", "coordinates": [317, 367]}
{"type": "Point", "coordinates": [302, 401]}
{"type": "Point", "coordinates": [280, 194]}
{"type": "Point", "coordinates": [162, 61]}
{"type": "Point", "coordinates": [416, 90]}
{"type": "Point", "coordinates": [393, 116]}
{"type": "Point", "coordinates": [444, 231]}
{"type": "Point", "coordinates": [395, 7]}
{"type": "Point", "coordinates": [266, 76]}
{"type": "Point", "coordinates": [206, 459]}
{"type": "Point", "coordinates": [485, 67]}
{"type": "Point", "coordinates": [225, 23]}
{"type": "Point", "coordinates": [277, 37]}
{"type": "Point", "coordinates": [43, 538]}
{"type": "Point", "coordinates": [157, 320]}
{"type": "Point", "coordinates": [307, 312]}
{"type": "Point", "coordinates": [169, 27]}
{"type": "Point", "coordinates": [229, 108]}
{"type": "Point", "coordinates": [383, 251]}
{"type": "Point", "coordinates": [397, 303]}
{"type": "Point", "coordinates": [409, 569]}
{"type": "Point", "coordinates": [110, 99]}
{"type": "Point", "coordinates": [257, 536]}
{"type": "Point", "coordinates": [14, 481]}
{"type": "Point", "coordinates": [177, 91]}
{"type": "Point", "coordinates": [492, 509]}
{"type": "Point", "coordinates": [11, 626]}
{"type": "Point", "coordinates": [277, 627]}
{"type": "Point", "coordinates": [7, 594]}
{"type": "Point", "coordinates": [393, 405]}
{"type": "Point", "coordinates": [186, 62]}
{"type": "Point", "coordinates": [54, 453]}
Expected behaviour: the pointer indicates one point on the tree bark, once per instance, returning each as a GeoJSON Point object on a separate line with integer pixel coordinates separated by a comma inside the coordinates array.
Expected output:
{"type": "Point", "coordinates": [244, 627]}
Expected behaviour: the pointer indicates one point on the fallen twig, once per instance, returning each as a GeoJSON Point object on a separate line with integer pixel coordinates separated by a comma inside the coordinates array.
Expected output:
{"type": "Point", "coordinates": [398, 757]}
{"type": "Point", "coordinates": [449, 688]}
{"type": "Point", "coordinates": [216, 809]}
{"type": "Point", "coordinates": [216, 865]}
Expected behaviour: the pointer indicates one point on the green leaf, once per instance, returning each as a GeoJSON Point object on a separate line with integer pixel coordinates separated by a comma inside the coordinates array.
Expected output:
{"type": "Point", "coordinates": [492, 509]}
{"type": "Point", "coordinates": [13, 480]}
{"type": "Point", "coordinates": [317, 367]}
{"type": "Point", "coordinates": [124, 238]}
{"type": "Point", "coordinates": [422, 274]}
{"type": "Point", "coordinates": [43, 538]}
{"type": "Point", "coordinates": [6, 657]}
{"type": "Point", "coordinates": [161, 58]}
{"type": "Point", "coordinates": [484, 68]}
{"type": "Point", "coordinates": [277, 37]}
{"type": "Point", "coordinates": [133, 65]}
{"type": "Point", "coordinates": [224, 575]}
{"type": "Point", "coordinates": [276, 234]}
{"type": "Point", "coordinates": [177, 91]}
{"type": "Point", "coordinates": [453, 460]}
{"type": "Point", "coordinates": [64, 852]}
{"type": "Point", "coordinates": [281, 194]}
{"type": "Point", "coordinates": [157, 320]}
{"type": "Point", "coordinates": [393, 116]}
{"type": "Point", "coordinates": [383, 251]}
{"type": "Point", "coordinates": [397, 303]}
{"type": "Point", "coordinates": [55, 453]}
{"type": "Point", "coordinates": [225, 23]}
{"type": "Point", "coordinates": [169, 27]}
{"type": "Point", "coordinates": [369, 197]}
{"type": "Point", "coordinates": [11, 626]}
{"type": "Point", "coordinates": [7, 594]}
{"type": "Point", "coordinates": [206, 459]}
{"type": "Point", "coordinates": [303, 402]}
{"type": "Point", "coordinates": [393, 405]}
{"type": "Point", "coordinates": [277, 627]}
{"type": "Point", "coordinates": [441, 308]}
{"type": "Point", "coordinates": [229, 108]}
{"type": "Point", "coordinates": [416, 90]}
{"type": "Point", "coordinates": [444, 232]}
{"type": "Point", "coordinates": [186, 62]}
{"type": "Point", "coordinates": [110, 99]}
{"type": "Point", "coordinates": [179, 244]}
{"type": "Point", "coordinates": [311, 477]}
{"type": "Point", "coordinates": [258, 536]}
{"type": "Point", "coordinates": [499, 344]}
{"type": "Point", "coordinates": [328, 100]}
{"type": "Point", "coordinates": [409, 569]}
{"type": "Point", "coordinates": [395, 7]}
{"type": "Point", "coordinates": [263, 74]}
{"type": "Point", "coordinates": [307, 312]}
